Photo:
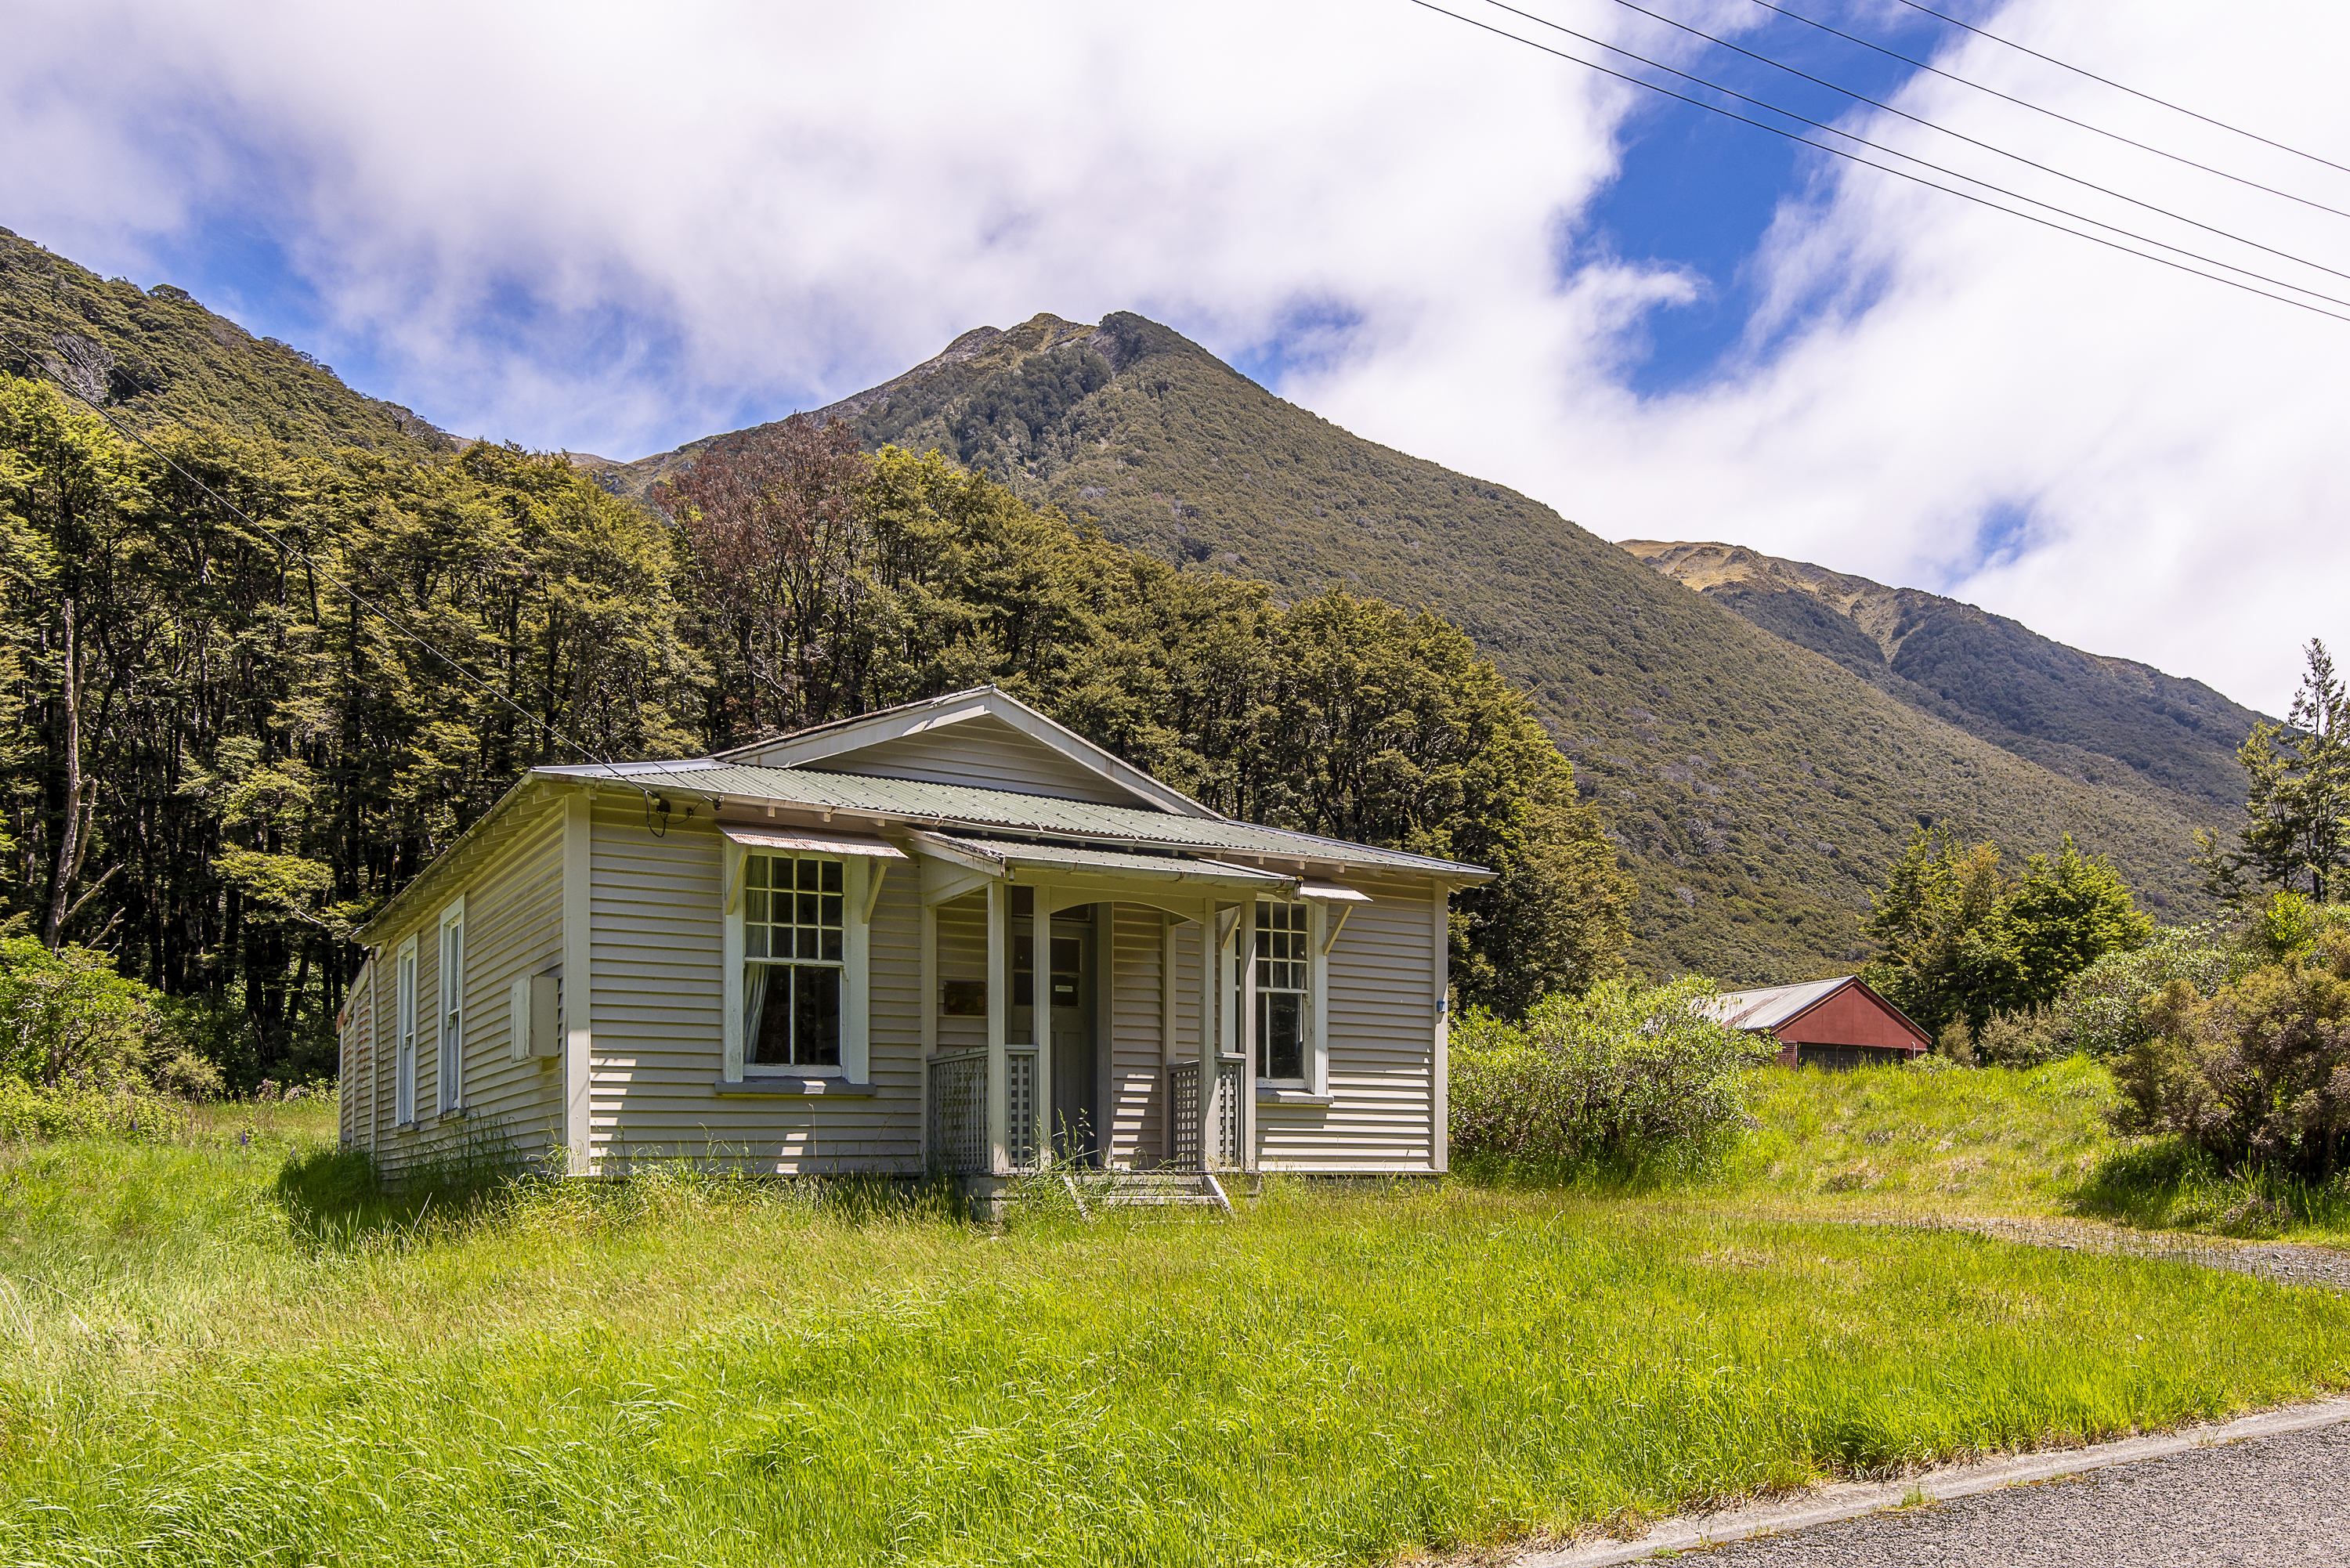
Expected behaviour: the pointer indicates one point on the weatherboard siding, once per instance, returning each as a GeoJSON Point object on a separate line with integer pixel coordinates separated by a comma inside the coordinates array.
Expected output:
{"type": "Point", "coordinates": [513, 891]}
{"type": "Point", "coordinates": [1130, 1095]}
{"type": "Point", "coordinates": [984, 755]}
{"type": "Point", "coordinates": [1381, 1018]}
{"type": "Point", "coordinates": [657, 920]}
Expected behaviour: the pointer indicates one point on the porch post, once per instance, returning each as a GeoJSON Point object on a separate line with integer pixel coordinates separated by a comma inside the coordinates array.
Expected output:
{"type": "Point", "coordinates": [1245, 950]}
{"type": "Point", "coordinates": [1210, 960]}
{"type": "Point", "coordinates": [1040, 1014]}
{"type": "Point", "coordinates": [927, 995]}
{"type": "Point", "coordinates": [999, 1065]}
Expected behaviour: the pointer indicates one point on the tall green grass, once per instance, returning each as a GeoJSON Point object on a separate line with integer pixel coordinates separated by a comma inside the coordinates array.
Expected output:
{"type": "Point", "coordinates": [1994, 1140]}
{"type": "Point", "coordinates": [716, 1371]}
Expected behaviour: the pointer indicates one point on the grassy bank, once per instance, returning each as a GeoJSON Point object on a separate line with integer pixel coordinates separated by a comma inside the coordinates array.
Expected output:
{"type": "Point", "coordinates": [1993, 1141]}
{"type": "Point", "coordinates": [678, 1371]}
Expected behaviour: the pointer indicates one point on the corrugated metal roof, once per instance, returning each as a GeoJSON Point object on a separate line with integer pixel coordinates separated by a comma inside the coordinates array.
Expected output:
{"type": "Point", "coordinates": [1173, 868]}
{"type": "Point", "coordinates": [921, 804]}
{"type": "Point", "coordinates": [1771, 1005]}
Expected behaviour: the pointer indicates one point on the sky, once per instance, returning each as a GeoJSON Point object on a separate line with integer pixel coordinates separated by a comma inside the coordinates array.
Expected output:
{"type": "Point", "coordinates": [610, 229]}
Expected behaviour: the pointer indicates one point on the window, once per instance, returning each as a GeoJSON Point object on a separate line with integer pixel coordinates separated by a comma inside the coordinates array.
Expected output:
{"type": "Point", "coordinates": [403, 1077]}
{"type": "Point", "coordinates": [451, 1052]}
{"type": "Point", "coordinates": [793, 932]}
{"type": "Point", "coordinates": [1282, 968]}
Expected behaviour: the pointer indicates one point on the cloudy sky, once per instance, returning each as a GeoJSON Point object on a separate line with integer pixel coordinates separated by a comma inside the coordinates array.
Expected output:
{"type": "Point", "coordinates": [614, 228]}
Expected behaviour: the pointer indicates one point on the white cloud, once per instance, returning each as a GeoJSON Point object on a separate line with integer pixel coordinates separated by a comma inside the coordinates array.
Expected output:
{"type": "Point", "coordinates": [613, 227]}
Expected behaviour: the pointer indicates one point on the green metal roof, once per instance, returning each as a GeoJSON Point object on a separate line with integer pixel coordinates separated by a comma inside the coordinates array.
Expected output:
{"type": "Point", "coordinates": [961, 807]}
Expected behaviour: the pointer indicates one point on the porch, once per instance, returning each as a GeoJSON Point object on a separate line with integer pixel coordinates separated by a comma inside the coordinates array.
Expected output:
{"type": "Point", "coordinates": [1135, 1045]}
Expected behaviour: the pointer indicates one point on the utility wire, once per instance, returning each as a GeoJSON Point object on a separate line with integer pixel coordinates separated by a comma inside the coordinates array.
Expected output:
{"type": "Point", "coordinates": [2037, 108]}
{"type": "Point", "coordinates": [1904, 173]}
{"type": "Point", "coordinates": [362, 600]}
{"type": "Point", "coordinates": [2109, 81]}
{"type": "Point", "coordinates": [1939, 169]}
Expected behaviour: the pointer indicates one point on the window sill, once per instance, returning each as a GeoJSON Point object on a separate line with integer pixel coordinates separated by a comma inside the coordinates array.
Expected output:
{"type": "Point", "coordinates": [788, 1084]}
{"type": "Point", "coordinates": [1275, 1094]}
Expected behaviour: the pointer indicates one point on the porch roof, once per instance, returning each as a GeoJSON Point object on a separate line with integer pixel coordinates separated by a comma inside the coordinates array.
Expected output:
{"type": "Point", "coordinates": [915, 803]}
{"type": "Point", "coordinates": [1060, 860]}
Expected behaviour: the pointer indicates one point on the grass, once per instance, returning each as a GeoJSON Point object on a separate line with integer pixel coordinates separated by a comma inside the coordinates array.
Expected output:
{"type": "Point", "coordinates": [1996, 1141]}
{"type": "Point", "coordinates": [2001, 1141]}
{"type": "Point", "coordinates": [717, 1372]}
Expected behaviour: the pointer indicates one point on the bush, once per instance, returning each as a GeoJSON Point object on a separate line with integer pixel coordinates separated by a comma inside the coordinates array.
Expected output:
{"type": "Point", "coordinates": [1627, 1077]}
{"type": "Point", "coordinates": [2101, 1011]}
{"type": "Point", "coordinates": [28, 1111]}
{"type": "Point", "coordinates": [69, 1021]}
{"type": "Point", "coordinates": [2255, 1074]}
{"type": "Point", "coordinates": [2018, 1040]}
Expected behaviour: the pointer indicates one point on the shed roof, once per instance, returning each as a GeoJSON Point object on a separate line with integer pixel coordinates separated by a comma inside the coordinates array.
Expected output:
{"type": "Point", "coordinates": [1769, 1006]}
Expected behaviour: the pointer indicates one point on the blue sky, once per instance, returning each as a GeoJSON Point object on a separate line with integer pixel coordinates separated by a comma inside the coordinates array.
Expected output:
{"type": "Point", "coordinates": [587, 227]}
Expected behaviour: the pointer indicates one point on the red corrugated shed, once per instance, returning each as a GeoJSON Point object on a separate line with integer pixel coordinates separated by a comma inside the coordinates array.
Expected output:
{"type": "Point", "coordinates": [1839, 1022]}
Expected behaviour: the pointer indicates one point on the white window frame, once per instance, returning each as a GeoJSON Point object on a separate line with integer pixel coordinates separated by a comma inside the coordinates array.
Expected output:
{"type": "Point", "coordinates": [403, 1008]}
{"type": "Point", "coordinates": [449, 1018]}
{"type": "Point", "coordinates": [856, 872]}
{"type": "Point", "coordinates": [1308, 1077]}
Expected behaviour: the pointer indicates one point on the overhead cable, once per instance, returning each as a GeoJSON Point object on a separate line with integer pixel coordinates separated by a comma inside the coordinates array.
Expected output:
{"type": "Point", "coordinates": [1918, 178]}
{"type": "Point", "coordinates": [1955, 174]}
{"type": "Point", "coordinates": [2034, 108]}
{"type": "Point", "coordinates": [2109, 81]}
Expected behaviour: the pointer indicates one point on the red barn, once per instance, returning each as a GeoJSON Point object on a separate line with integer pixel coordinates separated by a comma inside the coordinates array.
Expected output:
{"type": "Point", "coordinates": [1832, 1024]}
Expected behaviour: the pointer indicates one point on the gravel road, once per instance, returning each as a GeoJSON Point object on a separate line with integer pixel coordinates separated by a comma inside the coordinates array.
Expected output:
{"type": "Point", "coordinates": [2261, 1501]}
{"type": "Point", "coordinates": [2286, 1262]}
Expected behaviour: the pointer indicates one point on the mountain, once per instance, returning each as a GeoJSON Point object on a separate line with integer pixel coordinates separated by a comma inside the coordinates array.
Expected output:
{"type": "Point", "coordinates": [1757, 786]}
{"type": "Point", "coordinates": [155, 355]}
{"type": "Point", "coordinates": [2086, 716]}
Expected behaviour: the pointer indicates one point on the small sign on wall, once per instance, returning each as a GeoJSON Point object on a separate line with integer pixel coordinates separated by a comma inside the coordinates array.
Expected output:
{"type": "Point", "coordinates": [963, 999]}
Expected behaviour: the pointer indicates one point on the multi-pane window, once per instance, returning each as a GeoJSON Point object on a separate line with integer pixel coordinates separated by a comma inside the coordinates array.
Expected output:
{"type": "Point", "coordinates": [791, 933]}
{"type": "Point", "coordinates": [451, 1052]}
{"type": "Point", "coordinates": [1282, 967]}
{"type": "Point", "coordinates": [403, 1077]}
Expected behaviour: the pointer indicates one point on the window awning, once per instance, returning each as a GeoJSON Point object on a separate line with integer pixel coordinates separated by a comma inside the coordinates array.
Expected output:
{"type": "Point", "coordinates": [1330, 893]}
{"type": "Point", "coordinates": [812, 841]}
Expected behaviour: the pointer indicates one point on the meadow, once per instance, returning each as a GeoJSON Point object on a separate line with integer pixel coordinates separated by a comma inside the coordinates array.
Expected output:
{"type": "Point", "coordinates": [197, 1369]}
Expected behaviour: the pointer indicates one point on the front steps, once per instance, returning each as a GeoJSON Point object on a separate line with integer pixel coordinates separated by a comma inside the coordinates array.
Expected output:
{"type": "Point", "coordinates": [1146, 1189]}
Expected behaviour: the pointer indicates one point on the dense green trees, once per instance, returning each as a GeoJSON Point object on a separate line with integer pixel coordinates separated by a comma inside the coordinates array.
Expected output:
{"type": "Point", "coordinates": [1961, 941]}
{"type": "Point", "coordinates": [222, 742]}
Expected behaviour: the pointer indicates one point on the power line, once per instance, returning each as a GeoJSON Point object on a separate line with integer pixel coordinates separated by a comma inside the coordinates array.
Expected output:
{"type": "Point", "coordinates": [1906, 174]}
{"type": "Point", "coordinates": [2039, 109]}
{"type": "Point", "coordinates": [362, 600]}
{"type": "Point", "coordinates": [1939, 169]}
{"type": "Point", "coordinates": [2109, 81]}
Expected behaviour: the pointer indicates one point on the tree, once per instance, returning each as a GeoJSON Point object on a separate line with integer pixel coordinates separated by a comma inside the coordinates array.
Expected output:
{"type": "Point", "coordinates": [1930, 922]}
{"type": "Point", "coordinates": [1963, 942]}
{"type": "Point", "coordinates": [2065, 915]}
{"type": "Point", "coordinates": [2297, 780]}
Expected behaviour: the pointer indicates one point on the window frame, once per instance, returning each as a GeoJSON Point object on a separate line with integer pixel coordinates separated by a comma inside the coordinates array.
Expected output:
{"type": "Point", "coordinates": [856, 871]}
{"type": "Point", "coordinates": [403, 1036]}
{"type": "Point", "coordinates": [1255, 992]}
{"type": "Point", "coordinates": [449, 1015]}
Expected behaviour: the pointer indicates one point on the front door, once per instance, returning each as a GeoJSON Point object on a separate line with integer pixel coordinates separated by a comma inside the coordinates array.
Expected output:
{"type": "Point", "coordinates": [1069, 1016]}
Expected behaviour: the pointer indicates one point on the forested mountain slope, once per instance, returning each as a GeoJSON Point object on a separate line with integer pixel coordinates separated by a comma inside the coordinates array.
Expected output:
{"type": "Point", "coordinates": [1757, 788]}
{"type": "Point", "coordinates": [156, 355]}
{"type": "Point", "coordinates": [2100, 720]}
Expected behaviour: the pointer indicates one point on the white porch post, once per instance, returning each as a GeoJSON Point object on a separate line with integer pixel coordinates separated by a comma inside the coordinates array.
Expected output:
{"type": "Point", "coordinates": [1040, 1013]}
{"type": "Point", "coordinates": [1210, 960]}
{"type": "Point", "coordinates": [1244, 950]}
{"type": "Point", "coordinates": [999, 1009]}
{"type": "Point", "coordinates": [929, 939]}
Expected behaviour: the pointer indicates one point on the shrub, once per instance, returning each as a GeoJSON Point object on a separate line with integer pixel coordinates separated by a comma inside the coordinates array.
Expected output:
{"type": "Point", "coordinates": [2255, 1074]}
{"type": "Point", "coordinates": [2102, 1010]}
{"type": "Point", "coordinates": [1626, 1077]}
{"type": "Point", "coordinates": [69, 1020]}
{"type": "Point", "coordinates": [2019, 1039]}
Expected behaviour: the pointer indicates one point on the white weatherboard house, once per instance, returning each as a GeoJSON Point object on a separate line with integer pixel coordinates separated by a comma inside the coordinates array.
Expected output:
{"type": "Point", "coordinates": [821, 953]}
